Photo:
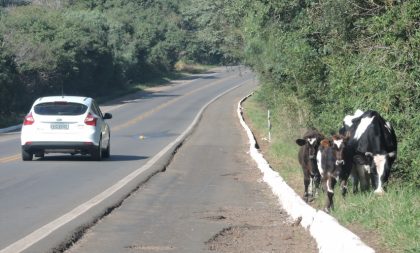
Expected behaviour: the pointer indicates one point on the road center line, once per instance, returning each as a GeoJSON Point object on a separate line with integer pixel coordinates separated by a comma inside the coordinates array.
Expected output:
{"type": "Point", "coordinates": [9, 158]}
{"type": "Point", "coordinates": [164, 105]}
{"type": "Point", "coordinates": [49, 228]}
{"type": "Point", "coordinates": [140, 117]}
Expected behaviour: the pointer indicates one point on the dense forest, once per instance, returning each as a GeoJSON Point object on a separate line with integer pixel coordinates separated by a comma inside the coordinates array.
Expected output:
{"type": "Point", "coordinates": [318, 60]}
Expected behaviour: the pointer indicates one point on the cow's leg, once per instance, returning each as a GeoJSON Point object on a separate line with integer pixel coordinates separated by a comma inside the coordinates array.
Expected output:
{"type": "Point", "coordinates": [363, 172]}
{"type": "Point", "coordinates": [324, 183]}
{"type": "Point", "coordinates": [317, 182]}
{"type": "Point", "coordinates": [378, 173]}
{"type": "Point", "coordinates": [306, 181]}
{"type": "Point", "coordinates": [344, 177]}
{"type": "Point", "coordinates": [330, 183]}
{"type": "Point", "coordinates": [374, 179]}
{"type": "Point", "coordinates": [310, 188]}
{"type": "Point", "coordinates": [343, 186]}
{"type": "Point", "coordinates": [355, 177]}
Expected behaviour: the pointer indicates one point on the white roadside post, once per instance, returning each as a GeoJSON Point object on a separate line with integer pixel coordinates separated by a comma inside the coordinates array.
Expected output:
{"type": "Point", "coordinates": [269, 126]}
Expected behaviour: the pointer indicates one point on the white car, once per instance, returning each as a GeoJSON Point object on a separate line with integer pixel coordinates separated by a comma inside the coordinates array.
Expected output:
{"type": "Point", "coordinates": [65, 124]}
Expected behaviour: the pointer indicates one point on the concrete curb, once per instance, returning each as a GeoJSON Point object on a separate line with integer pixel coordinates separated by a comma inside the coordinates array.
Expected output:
{"type": "Point", "coordinates": [329, 235]}
{"type": "Point", "coordinates": [10, 129]}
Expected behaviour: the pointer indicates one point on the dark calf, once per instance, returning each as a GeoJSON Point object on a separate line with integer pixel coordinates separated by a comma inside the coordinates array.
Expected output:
{"type": "Point", "coordinates": [330, 160]}
{"type": "Point", "coordinates": [307, 159]}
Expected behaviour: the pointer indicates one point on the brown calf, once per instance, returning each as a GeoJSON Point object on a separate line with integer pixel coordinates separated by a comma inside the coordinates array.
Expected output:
{"type": "Point", "coordinates": [307, 159]}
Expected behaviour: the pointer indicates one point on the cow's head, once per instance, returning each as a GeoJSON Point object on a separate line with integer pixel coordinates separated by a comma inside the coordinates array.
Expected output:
{"type": "Point", "coordinates": [311, 140]}
{"type": "Point", "coordinates": [311, 144]}
{"type": "Point", "coordinates": [338, 144]}
{"type": "Point", "coordinates": [381, 163]}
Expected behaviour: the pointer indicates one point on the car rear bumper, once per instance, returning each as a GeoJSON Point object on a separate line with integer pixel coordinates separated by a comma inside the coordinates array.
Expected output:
{"type": "Point", "coordinates": [59, 147]}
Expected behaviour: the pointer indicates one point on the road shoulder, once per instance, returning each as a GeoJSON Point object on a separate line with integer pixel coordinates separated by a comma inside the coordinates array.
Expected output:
{"type": "Point", "coordinates": [210, 198]}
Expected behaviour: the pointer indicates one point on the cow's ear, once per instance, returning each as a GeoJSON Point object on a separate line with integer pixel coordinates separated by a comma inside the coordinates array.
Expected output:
{"type": "Point", "coordinates": [325, 143]}
{"type": "Point", "coordinates": [300, 142]}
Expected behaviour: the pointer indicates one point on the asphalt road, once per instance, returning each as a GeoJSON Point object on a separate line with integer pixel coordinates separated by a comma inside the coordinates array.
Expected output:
{"type": "Point", "coordinates": [210, 198]}
{"type": "Point", "coordinates": [48, 202]}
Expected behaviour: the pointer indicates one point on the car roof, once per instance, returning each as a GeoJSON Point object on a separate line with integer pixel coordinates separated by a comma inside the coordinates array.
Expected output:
{"type": "Point", "coordinates": [71, 99]}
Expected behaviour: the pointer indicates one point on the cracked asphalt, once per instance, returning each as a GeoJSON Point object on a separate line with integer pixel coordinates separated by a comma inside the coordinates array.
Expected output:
{"type": "Point", "coordinates": [209, 199]}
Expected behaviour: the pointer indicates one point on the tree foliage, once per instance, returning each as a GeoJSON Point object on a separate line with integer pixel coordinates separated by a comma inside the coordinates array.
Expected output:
{"type": "Point", "coordinates": [91, 47]}
{"type": "Point", "coordinates": [321, 60]}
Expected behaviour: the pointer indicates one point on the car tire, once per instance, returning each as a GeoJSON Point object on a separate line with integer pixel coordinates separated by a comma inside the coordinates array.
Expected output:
{"type": "Point", "coordinates": [26, 156]}
{"type": "Point", "coordinates": [97, 152]}
{"type": "Point", "coordinates": [107, 152]}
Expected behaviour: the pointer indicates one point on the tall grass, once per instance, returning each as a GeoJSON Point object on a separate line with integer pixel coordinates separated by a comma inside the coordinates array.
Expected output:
{"type": "Point", "coordinates": [394, 218]}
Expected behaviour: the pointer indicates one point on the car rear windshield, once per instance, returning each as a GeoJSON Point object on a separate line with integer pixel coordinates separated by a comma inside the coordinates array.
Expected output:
{"type": "Point", "coordinates": [60, 108]}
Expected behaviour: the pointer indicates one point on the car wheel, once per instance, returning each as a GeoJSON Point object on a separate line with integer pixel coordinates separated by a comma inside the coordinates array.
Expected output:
{"type": "Point", "coordinates": [26, 156]}
{"type": "Point", "coordinates": [97, 152]}
{"type": "Point", "coordinates": [107, 151]}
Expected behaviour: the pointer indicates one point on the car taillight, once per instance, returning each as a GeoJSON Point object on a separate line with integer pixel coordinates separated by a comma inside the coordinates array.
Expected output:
{"type": "Point", "coordinates": [29, 119]}
{"type": "Point", "coordinates": [90, 120]}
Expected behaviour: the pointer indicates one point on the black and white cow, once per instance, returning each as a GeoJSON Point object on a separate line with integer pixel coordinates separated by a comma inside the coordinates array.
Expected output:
{"type": "Point", "coordinates": [371, 149]}
{"type": "Point", "coordinates": [330, 160]}
{"type": "Point", "coordinates": [307, 158]}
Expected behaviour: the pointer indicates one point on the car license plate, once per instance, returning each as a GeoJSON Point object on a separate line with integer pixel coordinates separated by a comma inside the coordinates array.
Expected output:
{"type": "Point", "coordinates": [59, 126]}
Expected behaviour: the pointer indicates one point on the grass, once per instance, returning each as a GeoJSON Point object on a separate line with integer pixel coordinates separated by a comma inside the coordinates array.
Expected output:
{"type": "Point", "coordinates": [388, 223]}
{"type": "Point", "coordinates": [395, 216]}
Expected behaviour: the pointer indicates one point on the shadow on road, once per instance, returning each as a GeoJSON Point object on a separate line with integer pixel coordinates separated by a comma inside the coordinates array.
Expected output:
{"type": "Point", "coordinates": [113, 158]}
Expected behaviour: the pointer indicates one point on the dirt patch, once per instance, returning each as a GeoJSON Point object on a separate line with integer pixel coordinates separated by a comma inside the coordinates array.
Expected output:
{"type": "Point", "coordinates": [260, 230]}
{"type": "Point", "coordinates": [263, 226]}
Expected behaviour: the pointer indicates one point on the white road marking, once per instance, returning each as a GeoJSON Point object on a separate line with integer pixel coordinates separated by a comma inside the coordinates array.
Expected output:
{"type": "Point", "coordinates": [138, 118]}
{"type": "Point", "coordinates": [49, 228]}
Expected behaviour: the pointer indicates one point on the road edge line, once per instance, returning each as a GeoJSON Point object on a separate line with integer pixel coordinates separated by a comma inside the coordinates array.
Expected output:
{"type": "Point", "coordinates": [44, 231]}
{"type": "Point", "coordinates": [329, 234]}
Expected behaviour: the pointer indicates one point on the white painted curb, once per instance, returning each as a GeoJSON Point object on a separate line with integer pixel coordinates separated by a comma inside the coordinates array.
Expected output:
{"type": "Point", "coordinates": [329, 235]}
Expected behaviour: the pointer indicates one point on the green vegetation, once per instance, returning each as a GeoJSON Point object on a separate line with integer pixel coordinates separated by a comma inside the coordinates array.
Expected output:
{"type": "Point", "coordinates": [395, 216]}
{"type": "Point", "coordinates": [392, 219]}
{"type": "Point", "coordinates": [320, 60]}
{"type": "Point", "coordinates": [93, 48]}
{"type": "Point", "coordinates": [324, 59]}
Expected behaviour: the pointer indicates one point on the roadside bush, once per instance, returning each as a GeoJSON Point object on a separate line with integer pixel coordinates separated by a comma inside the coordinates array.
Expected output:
{"type": "Point", "coordinates": [336, 56]}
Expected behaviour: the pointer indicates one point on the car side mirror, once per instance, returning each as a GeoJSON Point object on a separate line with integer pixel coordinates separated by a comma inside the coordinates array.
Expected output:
{"type": "Point", "coordinates": [107, 116]}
